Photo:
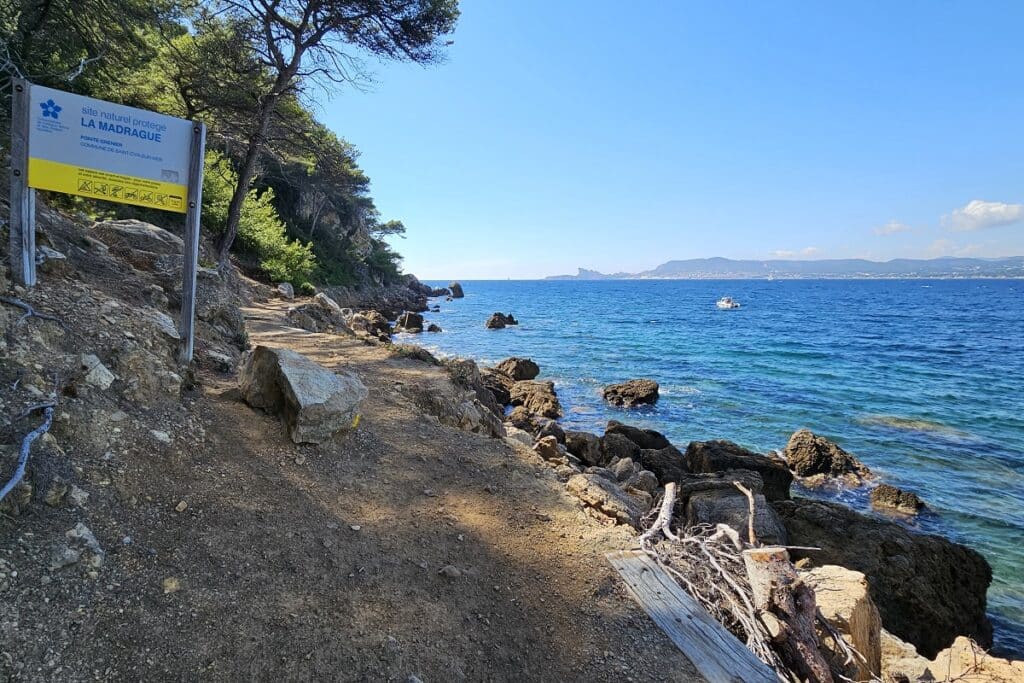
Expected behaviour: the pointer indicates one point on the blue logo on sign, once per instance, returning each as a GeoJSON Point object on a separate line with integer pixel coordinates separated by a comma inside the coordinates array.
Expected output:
{"type": "Point", "coordinates": [50, 109]}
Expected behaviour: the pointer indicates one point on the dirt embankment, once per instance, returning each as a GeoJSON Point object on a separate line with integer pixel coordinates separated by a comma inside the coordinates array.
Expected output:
{"type": "Point", "coordinates": [402, 549]}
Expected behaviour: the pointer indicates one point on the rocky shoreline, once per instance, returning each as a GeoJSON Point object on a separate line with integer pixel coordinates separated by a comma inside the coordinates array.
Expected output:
{"type": "Point", "coordinates": [929, 592]}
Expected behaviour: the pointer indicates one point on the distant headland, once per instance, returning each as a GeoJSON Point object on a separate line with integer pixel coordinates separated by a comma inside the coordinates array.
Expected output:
{"type": "Point", "coordinates": [832, 269]}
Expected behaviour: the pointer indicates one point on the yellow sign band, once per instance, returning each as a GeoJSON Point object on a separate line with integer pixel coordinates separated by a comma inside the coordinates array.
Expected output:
{"type": "Point", "coordinates": [113, 187]}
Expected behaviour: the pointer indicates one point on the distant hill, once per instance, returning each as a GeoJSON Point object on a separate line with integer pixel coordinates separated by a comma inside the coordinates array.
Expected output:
{"type": "Point", "coordinates": [729, 269]}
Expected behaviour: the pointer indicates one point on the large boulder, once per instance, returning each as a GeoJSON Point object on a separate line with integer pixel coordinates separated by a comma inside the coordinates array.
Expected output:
{"type": "Point", "coordinates": [605, 496]}
{"type": "Point", "coordinates": [518, 368]}
{"type": "Point", "coordinates": [465, 373]}
{"type": "Point", "coordinates": [732, 507]}
{"type": "Point", "coordinates": [585, 446]}
{"type": "Point", "coordinates": [716, 456]}
{"type": "Point", "coordinates": [616, 447]}
{"type": "Point", "coordinates": [314, 402]}
{"type": "Point", "coordinates": [842, 596]}
{"type": "Point", "coordinates": [669, 464]}
{"type": "Point", "coordinates": [964, 660]}
{"type": "Point", "coordinates": [499, 384]}
{"type": "Point", "coordinates": [644, 438]}
{"type": "Point", "coordinates": [810, 455]}
{"type": "Point", "coordinates": [456, 290]}
{"type": "Point", "coordinates": [323, 314]}
{"type": "Point", "coordinates": [409, 322]}
{"type": "Point", "coordinates": [499, 321]}
{"type": "Point", "coordinates": [928, 589]}
{"type": "Point", "coordinates": [632, 393]}
{"type": "Point", "coordinates": [133, 235]}
{"type": "Point", "coordinates": [889, 498]}
{"type": "Point", "coordinates": [371, 323]}
{"type": "Point", "coordinates": [537, 397]}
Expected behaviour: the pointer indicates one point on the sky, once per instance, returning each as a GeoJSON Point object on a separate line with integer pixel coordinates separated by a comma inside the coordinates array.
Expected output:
{"type": "Point", "coordinates": [617, 136]}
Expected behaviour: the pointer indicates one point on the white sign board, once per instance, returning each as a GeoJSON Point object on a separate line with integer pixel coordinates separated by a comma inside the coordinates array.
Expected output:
{"type": "Point", "coordinates": [101, 150]}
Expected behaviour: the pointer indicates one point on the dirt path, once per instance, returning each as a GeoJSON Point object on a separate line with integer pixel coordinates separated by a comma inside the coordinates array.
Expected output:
{"type": "Point", "coordinates": [322, 562]}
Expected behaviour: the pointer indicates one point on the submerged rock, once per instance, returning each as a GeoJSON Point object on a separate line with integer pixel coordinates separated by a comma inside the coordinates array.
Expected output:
{"type": "Point", "coordinates": [809, 455]}
{"type": "Point", "coordinates": [928, 589]}
{"type": "Point", "coordinates": [716, 456]}
{"type": "Point", "coordinates": [632, 393]}
{"type": "Point", "coordinates": [886, 497]}
{"type": "Point", "coordinates": [314, 402]}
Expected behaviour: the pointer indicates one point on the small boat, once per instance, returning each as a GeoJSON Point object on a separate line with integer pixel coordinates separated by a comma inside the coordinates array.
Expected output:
{"type": "Point", "coordinates": [726, 303]}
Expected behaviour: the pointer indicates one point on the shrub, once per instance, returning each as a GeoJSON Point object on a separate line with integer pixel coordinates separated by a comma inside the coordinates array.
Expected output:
{"type": "Point", "coordinates": [261, 231]}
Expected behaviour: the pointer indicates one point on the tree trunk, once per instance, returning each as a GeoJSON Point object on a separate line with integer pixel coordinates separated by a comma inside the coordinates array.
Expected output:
{"type": "Point", "coordinates": [245, 176]}
{"type": "Point", "coordinates": [787, 607]}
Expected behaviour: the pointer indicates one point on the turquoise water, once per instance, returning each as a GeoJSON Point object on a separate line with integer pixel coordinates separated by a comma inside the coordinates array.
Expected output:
{"type": "Point", "coordinates": [922, 380]}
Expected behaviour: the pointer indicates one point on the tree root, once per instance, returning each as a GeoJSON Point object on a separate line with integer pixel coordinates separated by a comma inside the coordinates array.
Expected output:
{"type": "Point", "coordinates": [30, 312]}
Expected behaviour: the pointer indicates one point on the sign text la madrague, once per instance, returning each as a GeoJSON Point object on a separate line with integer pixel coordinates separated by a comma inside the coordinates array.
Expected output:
{"type": "Point", "coordinates": [84, 146]}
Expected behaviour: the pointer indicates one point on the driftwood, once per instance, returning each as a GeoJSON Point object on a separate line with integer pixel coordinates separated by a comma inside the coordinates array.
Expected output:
{"type": "Point", "coordinates": [754, 592]}
{"type": "Point", "coordinates": [787, 608]}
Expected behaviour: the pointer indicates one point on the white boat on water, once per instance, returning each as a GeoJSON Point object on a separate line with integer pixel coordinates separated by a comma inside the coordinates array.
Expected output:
{"type": "Point", "coordinates": [726, 303]}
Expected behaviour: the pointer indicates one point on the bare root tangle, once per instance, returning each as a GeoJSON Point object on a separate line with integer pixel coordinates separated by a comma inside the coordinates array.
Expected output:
{"type": "Point", "coordinates": [708, 563]}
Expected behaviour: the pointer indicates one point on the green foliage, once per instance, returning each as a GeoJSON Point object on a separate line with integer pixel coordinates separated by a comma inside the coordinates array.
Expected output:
{"type": "Point", "coordinates": [261, 232]}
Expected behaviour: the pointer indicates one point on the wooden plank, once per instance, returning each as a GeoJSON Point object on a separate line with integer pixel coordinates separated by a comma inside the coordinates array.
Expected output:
{"type": "Point", "coordinates": [190, 264]}
{"type": "Point", "coordinates": [715, 652]}
{"type": "Point", "coordinates": [23, 205]}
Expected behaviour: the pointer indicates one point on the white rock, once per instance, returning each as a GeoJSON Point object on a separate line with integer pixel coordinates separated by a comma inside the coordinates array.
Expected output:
{"type": "Point", "coordinates": [162, 437]}
{"type": "Point", "coordinates": [286, 290]}
{"type": "Point", "coordinates": [163, 323]}
{"type": "Point", "coordinates": [78, 496]}
{"type": "Point", "coordinates": [96, 373]}
{"type": "Point", "coordinates": [315, 402]}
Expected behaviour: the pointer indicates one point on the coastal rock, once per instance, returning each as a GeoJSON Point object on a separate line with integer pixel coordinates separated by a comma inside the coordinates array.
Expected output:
{"type": "Point", "coordinates": [668, 464]}
{"type": "Point", "coordinates": [842, 596]}
{"type": "Point", "coordinates": [716, 456]}
{"type": "Point", "coordinates": [809, 455]}
{"type": "Point", "coordinates": [548, 427]}
{"type": "Point", "coordinates": [434, 327]}
{"type": "Point", "coordinates": [499, 384]}
{"type": "Point", "coordinates": [886, 497]}
{"type": "Point", "coordinates": [616, 447]}
{"type": "Point", "coordinates": [585, 446]}
{"type": "Point", "coordinates": [644, 438]}
{"type": "Point", "coordinates": [314, 402]}
{"type": "Point", "coordinates": [547, 448]}
{"type": "Point", "coordinates": [466, 374]}
{"type": "Point", "coordinates": [604, 496]}
{"type": "Point", "coordinates": [928, 590]}
{"type": "Point", "coordinates": [371, 323]}
{"type": "Point", "coordinates": [689, 484]}
{"type": "Point", "coordinates": [520, 436]}
{"type": "Point", "coordinates": [632, 393]}
{"type": "Point", "coordinates": [731, 507]}
{"type": "Point", "coordinates": [964, 660]}
{"type": "Point", "coordinates": [456, 290]}
{"type": "Point", "coordinates": [624, 469]}
{"type": "Point", "coordinates": [518, 368]}
{"type": "Point", "coordinates": [643, 480]}
{"type": "Point", "coordinates": [537, 397]}
{"type": "Point", "coordinates": [409, 322]}
{"type": "Point", "coordinates": [499, 321]}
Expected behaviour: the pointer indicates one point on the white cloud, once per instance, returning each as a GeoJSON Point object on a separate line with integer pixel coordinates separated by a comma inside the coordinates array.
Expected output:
{"type": "Point", "coordinates": [891, 228]}
{"type": "Point", "coordinates": [981, 214]}
{"type": "Point", "coordinates": [789, 253]}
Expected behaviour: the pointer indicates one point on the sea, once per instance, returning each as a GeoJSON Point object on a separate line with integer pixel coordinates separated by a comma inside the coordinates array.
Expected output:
{"type": "Point", "coordinates": [923, 380]}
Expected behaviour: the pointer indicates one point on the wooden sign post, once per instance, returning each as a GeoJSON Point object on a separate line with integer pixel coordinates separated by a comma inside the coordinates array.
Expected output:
{"type": "Point", "coordinates": [79, 145]}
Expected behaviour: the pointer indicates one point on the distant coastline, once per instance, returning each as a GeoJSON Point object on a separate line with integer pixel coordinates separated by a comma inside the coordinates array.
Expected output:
{"type": "Point", "coordinates": [950, 268]}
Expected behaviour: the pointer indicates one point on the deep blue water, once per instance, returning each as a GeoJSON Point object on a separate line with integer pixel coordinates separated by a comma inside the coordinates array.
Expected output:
{"type": "Point", "coordinates": [922, 380]}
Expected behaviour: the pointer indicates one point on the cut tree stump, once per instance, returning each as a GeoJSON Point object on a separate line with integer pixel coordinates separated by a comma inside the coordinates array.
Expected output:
{"type": "Point", "coordinates": [715, 652]}
{"type": "Point", "coordinates": [787, 607]}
